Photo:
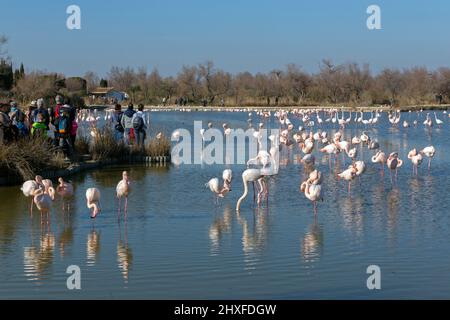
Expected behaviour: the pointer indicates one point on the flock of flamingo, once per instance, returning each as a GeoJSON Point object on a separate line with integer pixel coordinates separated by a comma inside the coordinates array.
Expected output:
{"type": "Point", "coordinates": [266, 164]}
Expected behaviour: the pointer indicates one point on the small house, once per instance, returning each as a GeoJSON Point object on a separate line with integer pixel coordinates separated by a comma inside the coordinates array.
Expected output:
{"type": "Point", "coordinates": [108, 94]}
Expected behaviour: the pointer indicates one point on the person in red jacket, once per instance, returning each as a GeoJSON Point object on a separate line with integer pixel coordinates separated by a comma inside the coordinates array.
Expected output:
{"type": "Point", "coordinates": [59, 105]}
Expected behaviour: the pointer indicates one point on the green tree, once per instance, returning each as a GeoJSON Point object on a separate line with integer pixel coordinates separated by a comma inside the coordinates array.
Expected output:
{"type": "Point", "coordinates": [103, 83]}
{"type": "Point", "coordinates": [6, 75]}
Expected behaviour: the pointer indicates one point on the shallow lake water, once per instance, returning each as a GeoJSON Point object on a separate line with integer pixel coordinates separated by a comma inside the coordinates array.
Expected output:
{"type": "Point", "coordinates": [177, 244]}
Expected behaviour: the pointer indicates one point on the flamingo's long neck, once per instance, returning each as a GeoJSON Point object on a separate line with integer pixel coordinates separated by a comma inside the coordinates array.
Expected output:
{"type": "Point", "coordinates": [244, 195]}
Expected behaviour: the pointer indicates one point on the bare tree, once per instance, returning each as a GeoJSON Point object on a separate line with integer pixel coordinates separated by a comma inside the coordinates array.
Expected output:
{"type": "Point", "coordinates": [357, 80]}
{"type": "Point", "coordinates": [331, 81]}
{"type": "Point", "coordinates": [442, 84]}
{"type": "Point", "coordinates": [296, 82]}
{"type": "Point", "coordinates": [418, 85]}
{"type": "Point", "coordinates": [35, 85]}
{"type": "Point", "coordinates": [189, 84]}
{"type": "Point", "coordinates": [92, 80]}
{"type": "Point", "coordinates": [262, 87]}
{"type": "Point", "coordinates": [392, 81]}
{"type": "Point", "coordinates": [122, 78]}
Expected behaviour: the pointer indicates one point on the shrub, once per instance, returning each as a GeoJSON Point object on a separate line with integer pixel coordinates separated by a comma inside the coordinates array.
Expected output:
{"type": "Point", "coordinates": [29, 156]}
{"type": "Point", "coordinates": [158, 146]}
{"type": "Point", "coordinates": [82, 144]}
{"type": "Point", "coordinates": [105, 146]}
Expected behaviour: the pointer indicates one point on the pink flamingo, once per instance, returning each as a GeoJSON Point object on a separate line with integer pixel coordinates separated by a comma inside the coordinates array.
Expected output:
{"type": "Point", "coordinates": [93, 201]}
{"type": "Point", "coordinates": [43, 202]}
{"type": "Point", "coordinates": [380, 157]}
{"type": "Point", "coordinates": [48, 185]}
{"type": "Point", "coordinates": [29, 187]}
{"type": "Point", "coordinates": [312, 192]}
{"type": "Point", "coordinates": [348, 175]}
{"type": "Point", "coordinates": [122, 191]}
{"type": "Point", "coordinates": [330, 149]}
{"type": "Point", "coordinates": [429, 152]}
{"type": "Point", "coordinates": [249, 175]}
{"type": "Point", "coordinates": [213, 185]}
{"type": "Point", "coordinates": [65, 191]}
{"type": "Point", "coordinates": [393, 163]}
{"type": "Point", "coordinates": [416, 159]}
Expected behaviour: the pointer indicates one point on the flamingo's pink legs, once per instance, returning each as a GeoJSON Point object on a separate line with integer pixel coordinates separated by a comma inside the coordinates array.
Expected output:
{"type": "Point", "coordinates": [118, 211]}
{"type": "Point", "coordinates": [126, 207]}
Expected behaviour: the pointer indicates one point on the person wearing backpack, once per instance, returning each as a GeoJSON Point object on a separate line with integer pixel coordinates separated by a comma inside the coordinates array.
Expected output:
{"type": "Point", "coordinates": [39, 128]}
{"type": "Point", "coordinates": [140, 126]}
{"type": "Point", "coordinates": [21, 124]}
{"type": "Point", "coordinates": [116, 119]}
{"type": "Point", "coordinates": [5, 122]}
{"type": "Point", "coordinates": [41, 110]}
{"type": "Point", "coordinates": [127, 123]}
{"type": "Point", "coordinates": [64, 129]}
{"type": "Point", "coordinates": [59, 106]}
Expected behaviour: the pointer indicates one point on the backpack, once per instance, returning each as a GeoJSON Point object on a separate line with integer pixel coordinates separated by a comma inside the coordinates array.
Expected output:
{"type": "Point", "coordinates": [138, 123]}
{"type": "Point", "coordinates": [63, 126]}
{"type": "Point", "coordinates": [44, 113]}
{"type": "Point", "coordinates": [118, 125]}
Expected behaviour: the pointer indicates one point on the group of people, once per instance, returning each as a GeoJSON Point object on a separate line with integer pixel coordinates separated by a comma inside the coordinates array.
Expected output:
{"type": "Point", "coordinates": [130, 125]}
{"type": "Point", "coordinates": [57, 123]}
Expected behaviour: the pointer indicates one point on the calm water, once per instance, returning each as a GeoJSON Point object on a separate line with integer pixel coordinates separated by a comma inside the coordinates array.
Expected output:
{"type": "Point", "coordinates": [177, 244]}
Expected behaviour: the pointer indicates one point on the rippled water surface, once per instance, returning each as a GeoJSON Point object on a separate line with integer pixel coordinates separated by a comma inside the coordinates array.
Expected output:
{"type": "Point", "coordinates": [178, 244]}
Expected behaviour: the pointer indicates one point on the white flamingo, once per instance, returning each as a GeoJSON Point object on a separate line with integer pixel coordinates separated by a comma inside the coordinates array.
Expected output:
{"type": "Point", "coordinates": [429, 152]}
{"type": "Point", "coordinates": [29, 187]}
{"type": "Point", "coordinates": [93, 201]}
{"type": "Point", "coordinates": [122, 191]}
{"type": "Point", "coordinates": [213, 184]}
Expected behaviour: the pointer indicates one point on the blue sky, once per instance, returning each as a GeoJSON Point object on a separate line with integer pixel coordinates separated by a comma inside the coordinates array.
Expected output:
{"type": "Point", "coordinates": [237, 35]}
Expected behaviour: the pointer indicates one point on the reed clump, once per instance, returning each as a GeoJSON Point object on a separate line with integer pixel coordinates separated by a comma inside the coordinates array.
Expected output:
{"type": "Point", "coordinates": [158, 146]}
{"type": "Point", "coordinates": [105, 146]}
{"type": "Point", "coordinates": [82, 144]}
{"type": "Point", "coordinates": [26, 157]}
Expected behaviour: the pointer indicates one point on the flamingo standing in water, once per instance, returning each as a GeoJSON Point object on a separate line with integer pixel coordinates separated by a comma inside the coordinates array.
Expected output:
{"type": "Point", "coordinates": [439, 122]}
{"type": "Point", "coordinates": [122, 191]}
{"type": "Point", "coordinates": [65, 191]}
{"type": "Point", "coordinates": [416, 159]}
{"type": "Point", "coordinates": [428, 122]}
{"type": "Point", "coordinates": [348, 175]}
{"type": "Point", "coordinates": [360, 168]}
{"type": "Point", "coordinates": [29, 187]}
{"type": "Point", "coordinates": [93, 201]}
{"type": "Point", "coordinates": [380, 157]}
{"type": "Point", "coordinates": [429, 152]}
{"type": "Point", "coordinates": [393, 163]}
{"type": "Point", "coordinates": [213, 185]}
{"type": "Point", "coordinates": [330, 149]}
{"type": "Point", "coordinates": [249, 175]}
{"type": "Point", "coordinates": [43, 202]}
{"type": "Point", "coordinates": [312, 188]}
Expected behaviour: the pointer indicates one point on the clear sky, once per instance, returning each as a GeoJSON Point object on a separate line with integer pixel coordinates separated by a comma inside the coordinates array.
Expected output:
{"type": "Point", "coordinates": [237, 35]}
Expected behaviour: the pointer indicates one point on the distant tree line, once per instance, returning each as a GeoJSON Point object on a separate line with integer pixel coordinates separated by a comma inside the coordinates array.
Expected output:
{"type": "Point", "coordinates": [349, 83]}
